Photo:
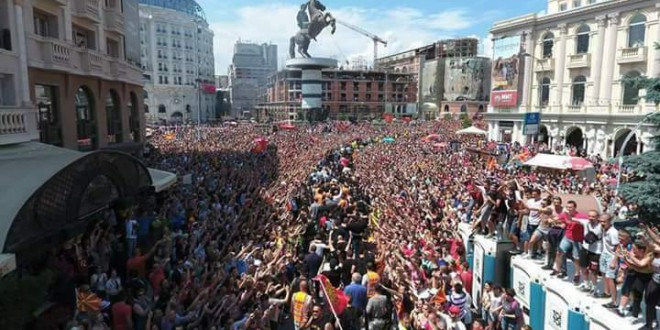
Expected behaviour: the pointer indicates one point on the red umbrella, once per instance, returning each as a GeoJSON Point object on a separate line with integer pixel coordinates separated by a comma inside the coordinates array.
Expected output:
{"type": "Point", "coordinates": [287, 127]}
{"type": "Point", "coordinates": [260, 144]}
{"type": "Point", "coordinates": [578, 164]}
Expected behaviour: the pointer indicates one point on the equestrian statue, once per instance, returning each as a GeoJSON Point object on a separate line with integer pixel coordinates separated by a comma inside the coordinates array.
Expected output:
{"type": "Point", "coordinates": [310, 27]}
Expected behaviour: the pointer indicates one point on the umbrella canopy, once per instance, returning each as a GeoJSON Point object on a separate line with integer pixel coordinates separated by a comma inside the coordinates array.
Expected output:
{"type": "Point", "coordinates": [472, 130]}
{"type": "Point", "coordinates": [288, 127]}
{"type": "Point", "coordinates": [578, 164]}
{"type": "Point", "coordinates": [388, 139]}
{"type": "Point", "coordinates": [431, 137]}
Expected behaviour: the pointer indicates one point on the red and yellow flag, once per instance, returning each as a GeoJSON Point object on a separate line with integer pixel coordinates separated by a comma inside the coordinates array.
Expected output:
{"type": "Point", "coordinates": [335, 297]}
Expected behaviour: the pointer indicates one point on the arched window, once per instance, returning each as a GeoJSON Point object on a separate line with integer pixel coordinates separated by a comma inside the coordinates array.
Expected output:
{"type": "Point", "coordinates": [637, 31]}
{"type": "Point", "coordinates": [578, 90]}
{"type": "Point", "coordinates": [630, 89]}
{"type": "Point", "coordinates": [548, 43]}
{"type": "Point", "coordinates": [582, 39]}
{"type": "Point", "coordinates": [463, 108]}
{"type": "Point", "coordinates": [113, 117]}
{"type": "Point", "coordinates": [162, 109]}
{"type": "Point", "coordinates": [146, 108]}
{"type": "Point", "coordinates": [134, 117]}
{"type": "Point", "coordinates": [85, 119]}
{"type": "Point", "coordinates": [446, 108]}
{"type": "Point", "coordinates": [544, 92]}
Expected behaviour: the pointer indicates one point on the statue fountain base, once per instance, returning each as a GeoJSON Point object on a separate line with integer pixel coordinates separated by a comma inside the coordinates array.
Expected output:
{"type": "Point", "coordinates": [312, 84]}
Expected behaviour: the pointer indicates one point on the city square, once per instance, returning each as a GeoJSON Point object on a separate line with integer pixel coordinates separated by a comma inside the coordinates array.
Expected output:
{"type": "Point", "coordinates": [335, 165]}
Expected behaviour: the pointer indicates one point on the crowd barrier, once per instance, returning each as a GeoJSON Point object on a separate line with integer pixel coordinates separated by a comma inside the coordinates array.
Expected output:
{"type": "Point", "coordinates": [548, 303]}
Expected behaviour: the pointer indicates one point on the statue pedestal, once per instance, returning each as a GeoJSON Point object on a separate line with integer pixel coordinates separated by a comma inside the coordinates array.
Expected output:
{"type": "Point", "coordinates": [312, 83]}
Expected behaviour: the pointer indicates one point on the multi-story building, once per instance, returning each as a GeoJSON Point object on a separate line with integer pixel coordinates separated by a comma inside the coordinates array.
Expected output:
{"type": "Point", "coordinates": [67, 76]}
{"type": "Point", "coordinates": [456, 85]}
{"type": "Point", "coordinates": [346, 94]}
{"type": "Point", "coordinates": [251, 66]}
{"type": "Point", "coordinates": [434, 66]}
{"type": "Point", "coordinates": [570, 64]}
{"type": "Point", "coordinates": [222, 81]}
{"type": "Point", "coordinates": [177, 59]}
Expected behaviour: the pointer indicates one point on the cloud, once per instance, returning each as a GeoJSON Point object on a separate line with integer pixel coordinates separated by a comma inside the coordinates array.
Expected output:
{"type": "Point", "coordinates": [403, 27]}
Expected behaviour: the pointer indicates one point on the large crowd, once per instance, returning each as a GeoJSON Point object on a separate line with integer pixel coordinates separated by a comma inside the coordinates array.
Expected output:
{"type": "Point", "coordinates": [239, 241]}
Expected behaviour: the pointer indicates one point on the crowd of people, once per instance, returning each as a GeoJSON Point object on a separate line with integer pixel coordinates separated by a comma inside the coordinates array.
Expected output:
{"type": "Point", "coordinates": [239, 241]}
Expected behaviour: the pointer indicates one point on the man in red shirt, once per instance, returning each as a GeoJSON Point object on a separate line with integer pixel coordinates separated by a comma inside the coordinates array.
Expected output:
{"type": "Point", "coordinates": [466, 277]}
{"type": "Point", "coordinates": [572, 240]}
{"type": "Point", "coordinates": [139, 262]}
{"type": "Point", "coordinates": [122, 314]}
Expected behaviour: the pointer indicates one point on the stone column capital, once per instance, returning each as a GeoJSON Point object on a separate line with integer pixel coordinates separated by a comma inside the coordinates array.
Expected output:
{"type": "Point", "coordinates": [614, 18]}
{"type": "Point", "coordinates": [19, 2]}
{"type": "Point", "coordinates": [563, 28]}
{"type": "Point", "coordinates": [601, 20]}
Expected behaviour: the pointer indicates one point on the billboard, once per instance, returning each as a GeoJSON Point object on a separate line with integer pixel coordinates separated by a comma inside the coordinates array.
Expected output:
{"type": "Point", "coordinates": [132, 31]}
{"type": "Point", "coordinates": [504, 99]}
{"type": "Point", "coordinates": [506, 66]}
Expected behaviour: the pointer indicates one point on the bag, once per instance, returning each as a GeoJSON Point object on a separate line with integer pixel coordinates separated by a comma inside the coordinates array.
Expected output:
{"type": "Point", "coordinates": [590, 237]}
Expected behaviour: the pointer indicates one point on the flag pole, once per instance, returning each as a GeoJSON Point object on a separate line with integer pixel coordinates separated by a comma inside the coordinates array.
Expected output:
{"type": "Point", "coordinates": [330, 303]}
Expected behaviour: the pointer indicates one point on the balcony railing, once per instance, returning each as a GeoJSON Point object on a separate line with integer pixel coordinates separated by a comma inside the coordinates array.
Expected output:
{"type": "Point", "coordinates": [87, 8]}
{"type": "Point", "coordinates": [17, 125]}
{"type": "Point", "coordinates": [545, 64]}
{"type": "Point", "coordinates": [631, 55]}
{"type": "Point", "coordinates": [579, 61]}
{"type": "Point", "coordinates": [92, 61]}
{"type": "Point", "coordinates": [55, 52]}
{"type": "Point", "coordinates": [629, 108]}
{"type": "Point", "coordinates": [574, 108]}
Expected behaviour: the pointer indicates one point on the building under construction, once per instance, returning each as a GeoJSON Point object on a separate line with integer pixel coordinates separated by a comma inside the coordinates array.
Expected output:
{"type": "Point", "coordinates": [346, 95]}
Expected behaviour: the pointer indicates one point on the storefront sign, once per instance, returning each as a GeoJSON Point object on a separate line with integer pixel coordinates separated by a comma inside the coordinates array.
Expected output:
{"type": "Point", "coordinates": [532, 123]}
{"type": "Point", "coordinates": [504, 99]}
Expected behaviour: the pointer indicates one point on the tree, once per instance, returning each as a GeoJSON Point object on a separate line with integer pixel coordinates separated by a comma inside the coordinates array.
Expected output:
{"type": "Point", "coordinates": [644, 188]}
{"type": "Point", "coordinates": [465, 120]}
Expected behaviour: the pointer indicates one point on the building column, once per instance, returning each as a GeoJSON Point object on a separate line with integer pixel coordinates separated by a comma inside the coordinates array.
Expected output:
{"type": "Point", "coordinates": [527, 78]}
{"type": "Point", "coordinates": [67, 29]}
{"type": "Point", "coordinates": [560, 64]}
{"type": "Point", "coordinates": [654, 61]}
{"type": "Point", "coordinates": [609, 54]}
{"type": "Point", "coordinates": [597, 61]}
{"type": "Point", "coordinates": [24, 79]}
{"type": "Point", "coordinates": [639, 146]}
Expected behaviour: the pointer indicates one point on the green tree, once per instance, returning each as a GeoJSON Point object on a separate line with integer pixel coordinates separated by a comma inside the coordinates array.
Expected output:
{"type": "Point", "coordinates": [644, 188]}
{"type": "Point", "coordinates": [465, 120]}
{"type": "Point", "coordinates": [447, 116]}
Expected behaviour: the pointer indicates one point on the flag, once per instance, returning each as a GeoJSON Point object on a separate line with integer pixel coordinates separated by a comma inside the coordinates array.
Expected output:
{"type": "Point", "coordinates": [208, 88]}
{"type": "Point", "coordinates": [492, 163]}
{"type": "Point", "coordinates": [335, 297]}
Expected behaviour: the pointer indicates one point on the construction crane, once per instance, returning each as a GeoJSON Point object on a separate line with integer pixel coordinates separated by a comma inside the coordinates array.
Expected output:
{"type": "Point", "coordinates": [376, 39]}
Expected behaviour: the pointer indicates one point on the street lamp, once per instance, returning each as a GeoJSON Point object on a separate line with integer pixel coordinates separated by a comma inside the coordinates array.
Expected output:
{"type": "Point", "coordinates": [623, 148]}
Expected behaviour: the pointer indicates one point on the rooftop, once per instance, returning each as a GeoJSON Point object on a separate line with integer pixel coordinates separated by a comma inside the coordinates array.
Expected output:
{"type": "Point", "coordinates": [189, 7]}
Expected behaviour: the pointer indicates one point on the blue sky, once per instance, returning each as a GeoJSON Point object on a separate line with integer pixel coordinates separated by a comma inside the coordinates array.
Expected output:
{"type": "Point", "coordinates": [404, 24]}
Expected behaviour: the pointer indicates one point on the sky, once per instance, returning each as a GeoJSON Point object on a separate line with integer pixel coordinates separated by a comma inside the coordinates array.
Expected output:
{"type": "Point", "coordinates": [404, 24]}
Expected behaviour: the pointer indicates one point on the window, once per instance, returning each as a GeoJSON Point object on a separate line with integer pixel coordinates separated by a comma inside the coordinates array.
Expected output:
{"type": "Point", "coordinates": [548, 43]}
{"type": "Point", "coordinates": [45, 25]}
{"type": "Point", "coordinates": [162, 109]}
{"type": "Point", "coordinates": [563, 6]}
{"type": "Point", "coordinates": [630, 89]}
{"type": "Point", "coordinates": [582, 39]}
{"type": "Point", "coordinates": [591, 1]}
{"type": "Point", "coordinates": [577, 3]}
{"type": "Point", "coordinates": [160, 79]}
{"type": "Point", "coordinates": [636, 31]}
{"type": "Point", "coordinates": [544, 92]}
{"type": "Point", "coordinates": [146, 108]}
{"type": "Point", "coordinates": [113, 47]}
{"type": "Point", "coordinates": [578, 90]}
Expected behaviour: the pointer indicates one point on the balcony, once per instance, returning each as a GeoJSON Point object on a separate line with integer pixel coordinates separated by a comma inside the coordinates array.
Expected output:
{"type": "Point", "coordinates": [578, 61]}
{"type": "Point", "coordinates": [86, 8]}
{"type": "Point", "coordinates": [114, 20]}
{"type": "Point", "coordinates": [17, 125]}
{"type": "Point", "coordinates": [631, 55]}
{"type": "Point", "coordinates": [629, 109]}
{"type": "Point", "coordinates": [49, 53]}
{"type": "Point", "coordinates": [545, 64]}
{"type": "Point", "coordinates": [575, 108]}
{"type": "Point", "coordinates": [92, 62]}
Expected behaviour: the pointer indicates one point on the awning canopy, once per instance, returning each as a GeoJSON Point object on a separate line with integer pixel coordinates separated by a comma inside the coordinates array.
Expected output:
{"type": "Point", "coordinates": [472, 130]}
{"type": "Point", "coordinates": [49, 189]}
{"type": "Point", "coordinates": [161, 180]}
{"type": "Point", "coordinates": [558, 162]}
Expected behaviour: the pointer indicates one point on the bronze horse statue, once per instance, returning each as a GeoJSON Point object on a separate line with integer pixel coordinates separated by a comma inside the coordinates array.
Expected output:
{"type": "Point", "coordinates": [318, 20]}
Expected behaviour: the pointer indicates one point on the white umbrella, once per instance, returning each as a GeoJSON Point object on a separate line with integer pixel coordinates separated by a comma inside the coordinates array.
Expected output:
{"type": "Point", "coordinates": [472, 130]}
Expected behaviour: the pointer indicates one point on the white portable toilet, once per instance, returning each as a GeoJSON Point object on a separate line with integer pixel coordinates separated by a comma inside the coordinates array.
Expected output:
{"type": "Point", "coordinates": [563, 306]}
{"type": "Point", "coordinates": [491, 264]}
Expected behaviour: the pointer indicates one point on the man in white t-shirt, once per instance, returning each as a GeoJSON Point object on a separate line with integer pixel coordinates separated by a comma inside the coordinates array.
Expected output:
{"type": "Point", "coordinates": [534, 207]}
{"type": "Point", "coordinates": [590, 254]}
{"type": "Point", "coordinates": [608, 260]}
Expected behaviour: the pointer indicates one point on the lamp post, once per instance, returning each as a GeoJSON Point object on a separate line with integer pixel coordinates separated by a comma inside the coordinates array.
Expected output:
{"type": "Point", "coordinates": [623, 147]}
{"type": "Point", "coordinates": [198, 81]}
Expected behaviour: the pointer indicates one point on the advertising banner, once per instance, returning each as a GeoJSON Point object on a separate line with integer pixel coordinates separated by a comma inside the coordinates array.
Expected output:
{"type": "Point", "coordinates": [504, 99]}
{"type": "Point", "coordinates": [506, 66]}
{"type": "Point", "coordinates": [132, 31]}
{"type": "Point", "coordinates": [532, 122]}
